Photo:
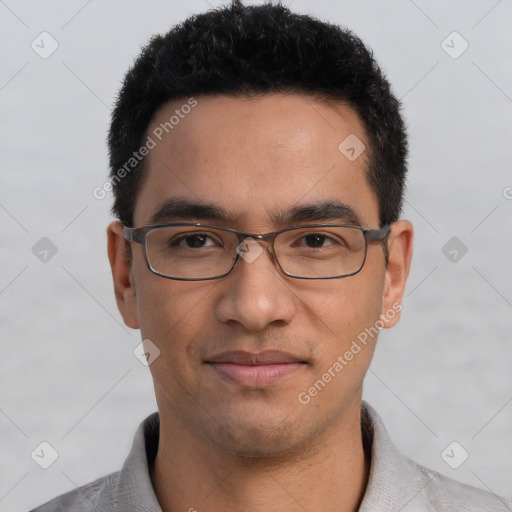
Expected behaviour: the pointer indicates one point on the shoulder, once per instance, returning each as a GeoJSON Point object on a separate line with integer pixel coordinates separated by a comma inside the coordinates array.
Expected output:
{"type": "Point", "coordinates": [441, 493]}
{"type": "Point", "coordinates": [398, 483]}
{"type": "Point", "coordinates": [129, 489]}
{"type": "Point", "coordinates": [83, 499]}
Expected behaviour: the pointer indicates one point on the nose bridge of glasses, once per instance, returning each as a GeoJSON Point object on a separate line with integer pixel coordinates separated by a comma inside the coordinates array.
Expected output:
{"type": "Point", "coordinates": [251, 246]}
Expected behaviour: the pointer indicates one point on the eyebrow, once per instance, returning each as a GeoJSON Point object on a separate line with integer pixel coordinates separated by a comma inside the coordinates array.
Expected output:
{"type": "Point", "coordinates": [182, 209]}
{"type": "Point", "coordinates": [332, 210]}
{"type": "Point", "coordinates": [179, 208]}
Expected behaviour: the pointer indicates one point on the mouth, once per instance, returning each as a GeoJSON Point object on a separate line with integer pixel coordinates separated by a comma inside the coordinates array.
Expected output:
{"type": "Point", "coordinates": [255, 370]}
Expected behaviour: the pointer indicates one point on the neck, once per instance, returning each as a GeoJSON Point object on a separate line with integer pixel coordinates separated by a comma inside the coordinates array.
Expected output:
{"type": "Point", "coordinates": [331, 474]}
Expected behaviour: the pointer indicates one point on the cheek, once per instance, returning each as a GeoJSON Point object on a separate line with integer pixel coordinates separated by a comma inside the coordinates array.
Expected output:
{"type": "Point", "coordinates": [348, 305]}
{"type": "Point", "coordinates": [348, 356]}
{"type": "Point", "coordinates": [344, 319]}
{"type": "Point", "coordinates": [164, 306]}
{"type": "Point", "coordinates": [172, 314]}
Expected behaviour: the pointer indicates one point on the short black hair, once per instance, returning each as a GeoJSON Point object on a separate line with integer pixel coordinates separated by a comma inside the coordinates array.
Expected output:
{"type": "Point", "coordinates": [242, 50]}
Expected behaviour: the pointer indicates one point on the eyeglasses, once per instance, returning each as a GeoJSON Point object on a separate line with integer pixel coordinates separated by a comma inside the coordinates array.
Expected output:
{"type": "Point", "coordinates": [195, 252]}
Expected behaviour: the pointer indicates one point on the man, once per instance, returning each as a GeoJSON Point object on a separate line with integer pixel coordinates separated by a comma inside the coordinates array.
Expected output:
{"type": "Point", "coordinates": [258, 161]}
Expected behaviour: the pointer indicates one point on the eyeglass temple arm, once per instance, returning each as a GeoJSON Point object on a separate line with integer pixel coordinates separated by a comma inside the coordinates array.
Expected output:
{"type": "Point", "coordinates": [133, 235]}
{"type": "Point", "coordinates": [377, 235]}
{"type": "Point", "coordinates": [380, 235]}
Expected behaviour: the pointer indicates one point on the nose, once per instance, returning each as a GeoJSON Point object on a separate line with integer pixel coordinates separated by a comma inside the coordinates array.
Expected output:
{"type": "Point", "coordinates": [256, 293]}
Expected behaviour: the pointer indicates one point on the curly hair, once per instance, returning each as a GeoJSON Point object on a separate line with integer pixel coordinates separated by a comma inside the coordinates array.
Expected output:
{"type": "Point", "coordinates": [242, 50]}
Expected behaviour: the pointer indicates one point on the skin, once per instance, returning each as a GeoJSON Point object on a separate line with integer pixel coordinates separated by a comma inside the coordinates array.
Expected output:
{"type": "Point", "coordinates": [224, 446]}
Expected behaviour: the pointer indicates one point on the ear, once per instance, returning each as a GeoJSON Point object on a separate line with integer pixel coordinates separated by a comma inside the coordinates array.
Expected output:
{"type": "Point", "coordinates": [122, 275]}
{"type": "Point", "coordinates": [400, 254]}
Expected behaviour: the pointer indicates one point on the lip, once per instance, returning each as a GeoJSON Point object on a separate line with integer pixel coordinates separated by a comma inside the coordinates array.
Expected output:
{"type": "Point", "coordinates": [255, 370]}
{"type": "Point", "coordinates": [253, 359]}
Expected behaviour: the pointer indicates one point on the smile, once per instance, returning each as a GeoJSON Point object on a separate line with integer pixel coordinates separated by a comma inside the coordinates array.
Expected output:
{"type": "Point", "coordinates": [255, 370]}
{"type": "Point", "coordinates": [255, 376]}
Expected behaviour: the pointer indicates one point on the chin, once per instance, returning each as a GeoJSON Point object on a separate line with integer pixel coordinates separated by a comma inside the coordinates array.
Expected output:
{"type": "Point", "coordinates": [263, 439]}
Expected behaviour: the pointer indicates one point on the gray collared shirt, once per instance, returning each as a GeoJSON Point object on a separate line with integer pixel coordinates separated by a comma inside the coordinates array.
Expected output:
{"type": "Point", "coordinates": [396, 484]}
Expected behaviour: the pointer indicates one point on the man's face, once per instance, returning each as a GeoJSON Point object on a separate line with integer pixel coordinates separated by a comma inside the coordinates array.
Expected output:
{"type": "Point", "coordinates": [258, 159]}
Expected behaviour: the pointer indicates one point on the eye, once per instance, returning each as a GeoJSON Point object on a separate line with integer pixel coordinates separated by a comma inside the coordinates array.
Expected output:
{"type": "Point", "coordinates": [316, 240]}
{"type": "Point", "coordinates": [194, 241]}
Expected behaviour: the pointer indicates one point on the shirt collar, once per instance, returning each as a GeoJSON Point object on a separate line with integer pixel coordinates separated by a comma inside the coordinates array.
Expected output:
{"type": "Point", "coordinates": [389, 477]}
{"type": "Point", "coordinates": [387, 482]}
{"type": "Point", "coordinates": [133, 489]}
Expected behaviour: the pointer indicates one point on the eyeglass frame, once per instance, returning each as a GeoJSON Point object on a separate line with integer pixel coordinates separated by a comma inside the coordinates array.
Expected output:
{"type": "Point", "coordinates": [139, 236]}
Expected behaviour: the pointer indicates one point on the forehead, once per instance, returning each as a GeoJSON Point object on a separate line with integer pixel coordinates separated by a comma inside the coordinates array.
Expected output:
{"type": "Point", "coordinates": [256, 158]}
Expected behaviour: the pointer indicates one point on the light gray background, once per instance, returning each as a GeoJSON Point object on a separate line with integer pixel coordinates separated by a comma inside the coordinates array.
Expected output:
{"type": "Point", "coordinates": [69, 376]}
